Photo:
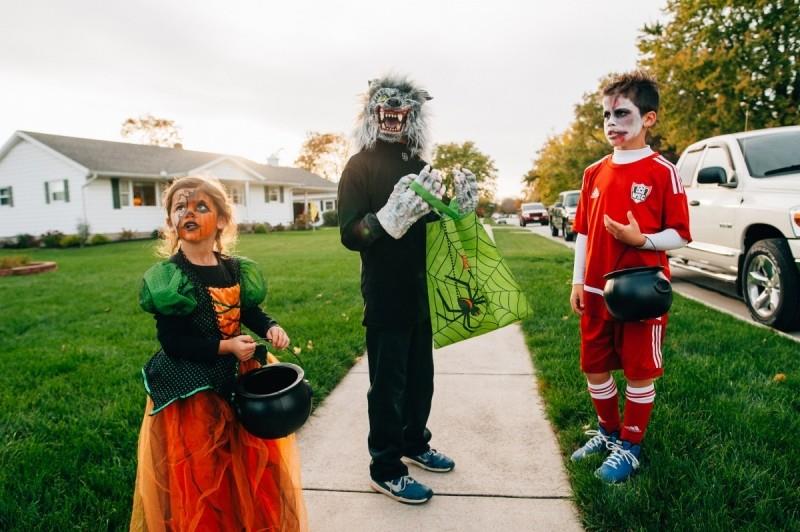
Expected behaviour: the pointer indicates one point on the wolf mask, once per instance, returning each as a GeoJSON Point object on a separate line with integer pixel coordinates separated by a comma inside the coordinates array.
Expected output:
{"type": "Point", "coordinates": [393, 112]}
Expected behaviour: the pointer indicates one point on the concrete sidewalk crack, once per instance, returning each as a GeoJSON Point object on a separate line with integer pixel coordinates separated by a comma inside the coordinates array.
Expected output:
{"type": "Point", "coordinates": [443, 494]}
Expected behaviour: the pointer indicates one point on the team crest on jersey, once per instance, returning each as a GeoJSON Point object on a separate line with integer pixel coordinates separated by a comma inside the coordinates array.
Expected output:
{"type": "Point", "coordinates": [595, 193]}
{"type": "Point", "coordinates": [639, 192]}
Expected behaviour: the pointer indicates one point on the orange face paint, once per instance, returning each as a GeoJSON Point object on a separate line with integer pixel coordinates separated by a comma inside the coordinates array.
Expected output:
{"type": "Point", "coordinates": [194, 215]}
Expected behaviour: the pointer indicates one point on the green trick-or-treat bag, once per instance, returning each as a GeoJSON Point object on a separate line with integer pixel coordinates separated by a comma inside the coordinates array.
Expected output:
{"type": "Point", "coordinates": [471, 291]}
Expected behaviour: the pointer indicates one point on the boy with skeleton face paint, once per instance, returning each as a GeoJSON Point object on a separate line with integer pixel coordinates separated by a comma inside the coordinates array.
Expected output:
{"type": "Point", "coordinates": [384, 220]}
{"type": "Point", "coordinates": [632, 208]}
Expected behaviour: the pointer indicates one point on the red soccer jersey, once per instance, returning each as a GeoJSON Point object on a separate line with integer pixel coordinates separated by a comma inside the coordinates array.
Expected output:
{"type": "Point", "coordinates": [651, 189]}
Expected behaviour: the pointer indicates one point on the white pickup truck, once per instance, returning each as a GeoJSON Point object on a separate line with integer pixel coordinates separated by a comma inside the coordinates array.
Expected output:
{"type": "Point", "coordinates": [743, 191]}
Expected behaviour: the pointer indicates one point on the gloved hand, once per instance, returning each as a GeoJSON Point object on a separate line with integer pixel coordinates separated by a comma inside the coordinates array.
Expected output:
{"type": "Point", "coordinates": [466, 188]}
{"type": "Point", "coordinates": [405, 206]}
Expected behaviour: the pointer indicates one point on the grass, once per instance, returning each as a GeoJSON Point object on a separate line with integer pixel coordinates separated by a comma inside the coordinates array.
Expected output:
{"type": "Point", "coordinates": [72, 343]}
{"type": "Point", "coordinates": [721, 452]}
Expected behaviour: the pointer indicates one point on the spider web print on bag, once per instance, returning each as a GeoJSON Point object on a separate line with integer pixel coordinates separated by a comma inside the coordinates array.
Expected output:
{"type": "Point", "coordinates": [471, 291]}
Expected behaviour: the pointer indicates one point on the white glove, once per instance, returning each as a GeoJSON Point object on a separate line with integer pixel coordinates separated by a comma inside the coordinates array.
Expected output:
{"type": "Point", "coordinates": [466, 187]}
{"type": "Point", "coordinates": [405, 206]}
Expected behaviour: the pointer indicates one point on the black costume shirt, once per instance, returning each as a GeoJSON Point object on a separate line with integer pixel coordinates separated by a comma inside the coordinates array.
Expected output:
{"type": "Point", "coordinates": [176, 333]}
{"type": "Point", "coordinates": [392, 271]}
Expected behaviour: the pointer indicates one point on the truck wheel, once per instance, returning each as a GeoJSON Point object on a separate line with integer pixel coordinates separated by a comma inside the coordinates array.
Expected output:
{"type": "Point", "coordinates": [522, 223]}
{"type": "Point", "coordinates": [553, 229]}
{"type": "Point", "coordinates": [771, 284]}
{"type": "Point", "coordinates": [569, 236]}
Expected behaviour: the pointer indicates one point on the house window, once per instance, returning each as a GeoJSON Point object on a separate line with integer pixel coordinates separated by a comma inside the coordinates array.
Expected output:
{"type": "Point", "coordinates": [5, 197]}
{"type": "Point", "coordinates": [329, 205]}
{"type": "Point", "coordinates": [125, 193]}
{"type": "Point", "coordinates": [144, 194]}
{"type": "Point", "coordinates": [236, 194]}
{"type": "Point", "coordinates": [273, 194]}
{"type": "Point", "coordinates": [57, 190]}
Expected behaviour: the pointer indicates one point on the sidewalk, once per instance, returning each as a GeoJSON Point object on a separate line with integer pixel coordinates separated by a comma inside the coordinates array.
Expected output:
{"type": "Point", "coordinates": [487, 415]}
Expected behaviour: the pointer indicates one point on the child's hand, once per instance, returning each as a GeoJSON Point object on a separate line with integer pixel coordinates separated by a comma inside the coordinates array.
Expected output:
{"type": "Point", "coordinates": [627, 234]}
{"type": "Point", "coordinates": [576, 299]}
{"type": "Point", "coordinates": [278, 337]}
{"type": "Point", "coordinates": [242, 347]}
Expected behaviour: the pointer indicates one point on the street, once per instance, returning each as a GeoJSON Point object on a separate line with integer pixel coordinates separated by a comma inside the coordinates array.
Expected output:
{"type": "Point", "coordinates": [716, 294]}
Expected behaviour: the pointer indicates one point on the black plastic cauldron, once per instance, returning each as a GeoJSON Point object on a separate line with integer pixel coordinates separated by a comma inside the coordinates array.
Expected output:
{"type": "Point", "coordinates": [635, 294]}
{"type": "Point", "coordinates": [273, 401]}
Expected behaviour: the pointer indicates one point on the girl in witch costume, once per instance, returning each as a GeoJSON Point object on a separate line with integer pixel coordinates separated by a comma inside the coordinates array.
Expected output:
{"type": "Point", "coordinates": [198, 468]}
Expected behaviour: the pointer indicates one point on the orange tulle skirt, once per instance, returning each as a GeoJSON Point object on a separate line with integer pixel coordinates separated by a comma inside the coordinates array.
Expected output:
{"type": "Point", "coordinates": [199, 469]}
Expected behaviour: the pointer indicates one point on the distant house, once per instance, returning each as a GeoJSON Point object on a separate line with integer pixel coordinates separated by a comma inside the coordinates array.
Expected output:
{"type": "Point", "coordinates": [52, 182]}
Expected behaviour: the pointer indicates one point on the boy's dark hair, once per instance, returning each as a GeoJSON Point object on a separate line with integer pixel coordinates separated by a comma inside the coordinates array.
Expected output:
{"type": "Point", "coordinates": [638, 86]}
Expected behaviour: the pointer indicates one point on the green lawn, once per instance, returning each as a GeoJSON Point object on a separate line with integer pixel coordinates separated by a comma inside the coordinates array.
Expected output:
{"type": "Point", "coordinates": [722, 449]}
{"type": "Point", "coordinates": [72, 343]}
{"type": "Point", "coordinates": [721, 452]}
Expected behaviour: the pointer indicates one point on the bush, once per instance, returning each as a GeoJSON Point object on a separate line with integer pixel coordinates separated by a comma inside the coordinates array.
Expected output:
{"type": "Point", "coordinates": [12, 261]}
{"type": "Point", "coordinates": [83, 233]}
{"type": "Point", "coordinates": [126, 234]}
{"type": "Point", "coordinates": [52, 239]}
{"type": "Point", "coordinates": [70, 241]}
{"type": "Point", "coordinates": [261, 228]}
{"type": "Point", "coordinates": [245, 228]}
{"type": "Point", "coordinates": [301, 222]}
{"type": "Point", "coordinates": [330, 218]}
{"type": "Point", "coordinates": [98, 239]}
{"type": "Point", "coordinates": [279, 228]}
{"type": "Point", "coordinates": [24, 240]}
{"type": "Point", "coordinates": [155, 234]}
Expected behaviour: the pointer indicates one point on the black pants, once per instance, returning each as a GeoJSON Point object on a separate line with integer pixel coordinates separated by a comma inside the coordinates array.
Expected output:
{"type": "Point", "coordinates": [399, 397]}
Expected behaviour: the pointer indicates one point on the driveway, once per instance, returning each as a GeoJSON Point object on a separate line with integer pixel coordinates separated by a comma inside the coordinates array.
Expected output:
{"type": "Point", "coordinates": [711, 292]}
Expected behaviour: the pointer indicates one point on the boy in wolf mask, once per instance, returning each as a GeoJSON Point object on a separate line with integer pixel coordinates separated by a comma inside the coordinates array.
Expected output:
{"type": "Point", "coordinates": [380, 217]}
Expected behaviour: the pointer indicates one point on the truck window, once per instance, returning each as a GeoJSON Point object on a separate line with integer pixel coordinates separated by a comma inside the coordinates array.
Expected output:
{"type": "Point", "coordinates": [718, 156]}
{"type": "Point", "coordinates": [572, 200]}
{"type": "Point", "coordinates": [688, 166]}
{"type": "Point", "coordinates": [772, 154]}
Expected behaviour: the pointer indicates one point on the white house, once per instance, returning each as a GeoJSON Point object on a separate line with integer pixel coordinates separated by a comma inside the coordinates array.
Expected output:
{"type": "Point", "coordinates": [52, 182]}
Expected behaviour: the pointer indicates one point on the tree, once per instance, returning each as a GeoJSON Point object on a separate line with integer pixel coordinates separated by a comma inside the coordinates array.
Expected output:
{"type": "Point", "coordinates": [560, 162]}
{"type": "Point", "coordinates": [724, 67]}
{"type": "Point", "coordinates": [510, 205]}
{"type": "Point", "coordinates": [324, 154]}
{"type": "Point", "coordinates": [148, 129]}
{"type": "Point", "coordinates": [452, 156]}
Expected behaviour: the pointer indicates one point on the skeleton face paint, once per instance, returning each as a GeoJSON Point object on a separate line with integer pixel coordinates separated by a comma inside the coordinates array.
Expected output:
{"type": "Point", "coordinates": [622, 121]}
{"type": "Point", "coordinates": [194, 215]}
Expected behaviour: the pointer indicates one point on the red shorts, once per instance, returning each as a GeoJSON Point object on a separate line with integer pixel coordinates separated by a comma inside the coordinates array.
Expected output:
{"type": "Point", "coordinates": [633, 346]}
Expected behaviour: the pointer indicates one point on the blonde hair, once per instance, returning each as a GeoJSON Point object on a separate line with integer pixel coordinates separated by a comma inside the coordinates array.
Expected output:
{"type": "Point", "coordinates": [225, 239]}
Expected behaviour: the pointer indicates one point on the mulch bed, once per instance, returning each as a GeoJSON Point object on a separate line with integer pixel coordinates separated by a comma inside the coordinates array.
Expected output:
{"type": "Point", "coordinates": [29, 269]}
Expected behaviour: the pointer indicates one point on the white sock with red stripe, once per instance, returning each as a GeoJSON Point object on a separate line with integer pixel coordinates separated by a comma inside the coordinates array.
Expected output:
{"type": "Point", "coordinates": [638, 405]}
{"type": "Point", "coordinates": [606, 404]}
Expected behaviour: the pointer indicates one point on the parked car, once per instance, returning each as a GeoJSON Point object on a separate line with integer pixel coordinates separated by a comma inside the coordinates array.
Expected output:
{"type": "Point", "coordinates": [531, 213]}
{"type": "Point", "coordinates": [743, 191]}
{"type": "Point", "coordinates": [562, 214]}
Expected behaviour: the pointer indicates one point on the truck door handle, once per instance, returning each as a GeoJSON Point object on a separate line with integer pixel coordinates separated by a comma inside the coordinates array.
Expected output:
{"type": "Point", "coordinates": [694, 203]}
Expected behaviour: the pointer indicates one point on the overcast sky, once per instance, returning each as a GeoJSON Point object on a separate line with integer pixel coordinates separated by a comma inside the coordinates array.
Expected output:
{"type": "Point", "coordinates": [251, 77]}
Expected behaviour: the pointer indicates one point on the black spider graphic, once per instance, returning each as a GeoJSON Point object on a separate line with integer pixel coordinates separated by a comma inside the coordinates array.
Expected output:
{"type": "Point", "coordinates": [467, 306]}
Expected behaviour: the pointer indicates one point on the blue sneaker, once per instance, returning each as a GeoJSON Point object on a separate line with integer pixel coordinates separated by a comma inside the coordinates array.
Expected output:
{"type": "Point", "coordinates": [598, 443]}
{"type": "Point", "coordinates": [432, 460]}
{"type": "Point", "coordinates": [404, 489]}
{"type": "Point", "coordinates": [621, 463]}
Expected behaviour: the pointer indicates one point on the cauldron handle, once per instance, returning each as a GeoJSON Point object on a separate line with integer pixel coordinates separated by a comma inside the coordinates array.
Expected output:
{"type": "Point", "coordinates": [264, 343]}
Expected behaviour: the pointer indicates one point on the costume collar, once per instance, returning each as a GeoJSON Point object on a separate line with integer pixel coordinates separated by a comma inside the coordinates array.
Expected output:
{"type": "Point", "coordinates": [630, 156]}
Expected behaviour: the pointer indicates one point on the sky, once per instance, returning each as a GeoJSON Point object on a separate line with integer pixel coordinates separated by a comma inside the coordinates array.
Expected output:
{"type": "Point", "coordinates": [251, 77]}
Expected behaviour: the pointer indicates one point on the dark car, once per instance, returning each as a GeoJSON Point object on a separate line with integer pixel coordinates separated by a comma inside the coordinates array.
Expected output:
{"type": "Point", "coordinates": [562, 214]}
{"type": "Point", "coordinates": [533, 213]}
